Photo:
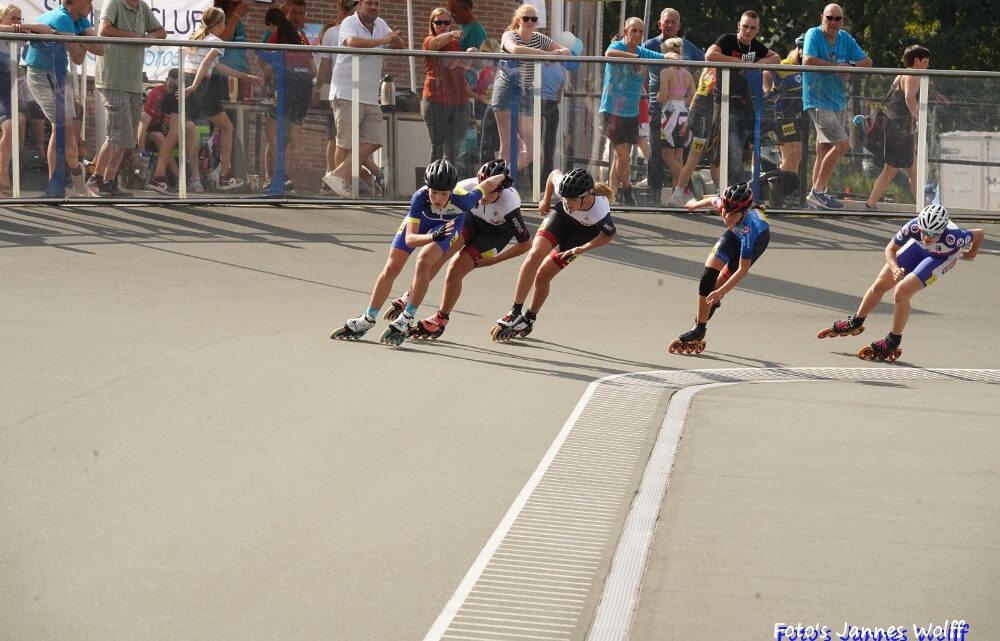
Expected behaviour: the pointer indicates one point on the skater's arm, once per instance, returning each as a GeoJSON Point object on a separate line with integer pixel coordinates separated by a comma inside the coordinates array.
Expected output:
{"type": "Point", "coordinates": [600, 241]}
{"type": "Point", "coordinates": [507, 254]}
{"type": "Point", "coordinates": [545, 203]}
{"type": "Point", "coordinates": [414, 240]}
{"type": "Point", "coordinates": [977, 237]}
{"type": "Point", "coordinates": [703, 203]}
{"type": "Point", "coordinates": [891, 249]}
{"type": "Point", "coordinates": [730, 284]}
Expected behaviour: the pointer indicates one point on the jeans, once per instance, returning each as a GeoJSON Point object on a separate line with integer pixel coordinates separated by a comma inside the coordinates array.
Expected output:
{"type": "Point", "coordinates": [550, 127]}
{"type": "Point", "coordinates": [445, 129]}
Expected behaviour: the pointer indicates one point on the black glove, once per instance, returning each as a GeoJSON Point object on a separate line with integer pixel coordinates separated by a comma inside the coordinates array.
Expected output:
{"type": "Point", "coordinates": [440, 233]}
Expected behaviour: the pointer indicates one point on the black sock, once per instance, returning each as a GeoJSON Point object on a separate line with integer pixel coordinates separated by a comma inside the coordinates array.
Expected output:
{"type": "Point", "coordinates": [896, 338]}
{"type": "Point", "coordinates": [701, 325]}
{"type": "Point", "coordinates": [530, 315]}
{"type": "Point", "coordinates": [516, 308]}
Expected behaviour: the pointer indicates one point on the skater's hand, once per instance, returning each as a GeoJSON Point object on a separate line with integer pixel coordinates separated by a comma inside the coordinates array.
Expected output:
{"type": "Point", "coordinates": [190, 89]}
{"type": "Point", "coordinates": [715, 297]}
{"type": "Point", "coordinates": [691, 205]}
{"type": "Point", "coordinates": [898, 273]}
{"type": "Point", "coordinates": [543, 207]}
{"type": "Point", "coordinates": [569, 253]}
{"type": "Point", "coordinates": [443, 231]}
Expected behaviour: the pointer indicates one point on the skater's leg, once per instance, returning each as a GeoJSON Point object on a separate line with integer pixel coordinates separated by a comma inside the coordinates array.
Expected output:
{"type": "Point", "coordinates": [710, 281]}
{"type": "Point", "coordinates": [540, 248]}
{"type": "Point", "coordinates": [543, 281]}
{"type": "Point", "coordinates": [883, 283]}
{"type": "Point", "coordinates": [905, 290]}
{"type": "Point", "coordinates": [458, 268]}
{"type": "Point", "coordinates": [429, 256]}
{"type": "Point", "coordinates": [383, 284]}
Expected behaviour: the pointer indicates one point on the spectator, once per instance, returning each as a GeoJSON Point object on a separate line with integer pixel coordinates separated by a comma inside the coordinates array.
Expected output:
{"type": "Point", "coordinates": [553, 81]}
{"type": "Point", "coordinates": [43, 61]}
{"type": "Point", "coordinates": [329, 36]}
{"type": "Point", "coordinates": [824, 98]}
{"type": "Point", "coordinates": [473, 32]}
{"type": "Point", "coordinates": [742, 46]}
{"type": "Point", "coordinates": [445, 90]}
{"type": "Point", "coordinates": [299, 74]}
{"type": "Point", "coordinates": [676, 90]}
{"type": "Point", "coordinates": [35, 129]}
{"type": "Point", "coordinates": [785, 89]}
{"type": "Point", "coordinates": [235, 31]}
{"type": "Point", "coordinates": [10, 22]}
{"type": "Point", "coordinates": [489, 137]}
{"type": "Point", "coordinates": [363, 29]}
{"type": "Point", "coordinates": [620, 104]}
{"type": "Point", "coordinates": [119, 77]}
{"type": "Point", "coordinates": [901, 132]}
{"type": "Point", "coordinates": [669, 25]}
{"type": "Point", "coordinates": [520, 38]}
{"type": "Point", "coordinates": [701, 125]}
{"type": "Point", "coordinates": [154, 125]}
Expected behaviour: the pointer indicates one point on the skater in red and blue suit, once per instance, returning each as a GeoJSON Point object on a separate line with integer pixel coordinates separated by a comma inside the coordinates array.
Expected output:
{"type": "Point", "coordinates": [744, 241]}
{"type": "Point", "coordinates": [434, 222]}
{"type": "Point", "coordinates": [923, 249]}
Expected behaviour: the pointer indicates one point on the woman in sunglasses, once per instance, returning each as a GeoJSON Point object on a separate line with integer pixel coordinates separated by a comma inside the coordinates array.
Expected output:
{"type": "Point", "coordinates": [517, 80]}
{"type": "Point", "coordinates": [445, 88]}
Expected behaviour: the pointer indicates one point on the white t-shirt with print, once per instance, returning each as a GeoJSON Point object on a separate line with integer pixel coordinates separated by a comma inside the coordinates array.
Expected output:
{"type": "Point", "coordinates": [331, 39]}
{"type": "Point", "coordinates": [370, 66]}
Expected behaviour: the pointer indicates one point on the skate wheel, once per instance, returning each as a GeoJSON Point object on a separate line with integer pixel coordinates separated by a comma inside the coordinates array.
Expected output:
{"type": "Point", "coordinates": [866, 353]}
{"type": "Point", "coordinates": [495, 333]}
{"type": "Point", "coordinates": [674, 346]}
{"type": "Point", "coordinates": [896, 353]}
{"type": "Point", "coordinates": [858, 330]}
{"type": "Point", "coordinates": [699, 347]}
{"type": "Point", "coordinates": [392, 313]}
{"type": "Point", "coordinates": [343, 334]}
{"type": "Point", "coordinates": [825, 333]}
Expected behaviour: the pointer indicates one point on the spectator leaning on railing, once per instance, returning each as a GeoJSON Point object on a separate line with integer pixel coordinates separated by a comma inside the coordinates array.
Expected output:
{"type": "Point", "coordinates": [446, 95]}
{"type": "Point", "coordinates": [43, 60]}
{"type": "Point", "coordinates": [10, 22]}
{"type": "Point", "coordinates": [825, 100]}
{"type": "Point", "coordinates": [119, 78]}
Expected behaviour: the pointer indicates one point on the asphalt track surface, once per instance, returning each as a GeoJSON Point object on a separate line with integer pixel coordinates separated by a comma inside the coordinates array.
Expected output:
{"type": "Point", "coordinates": [185, 454]}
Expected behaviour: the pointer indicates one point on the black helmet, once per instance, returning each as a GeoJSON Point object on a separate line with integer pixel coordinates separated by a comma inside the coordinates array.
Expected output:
{"type": "Point", "coordinates": [575, 183]}
{"type": "Point", "coordinates": [495, 168]}
{"type": "Point", "coordinates": [441, 175]}
{"type": "Point", "coordinates": [737, 197]}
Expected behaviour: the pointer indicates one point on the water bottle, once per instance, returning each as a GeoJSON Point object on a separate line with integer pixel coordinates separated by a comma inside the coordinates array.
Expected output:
{"type": "Point", "coordinates": [859, 120]}
{"type": "Point", "coordinates": [387, 93]}
{"type": "Point", "coordinates": [144, 170]}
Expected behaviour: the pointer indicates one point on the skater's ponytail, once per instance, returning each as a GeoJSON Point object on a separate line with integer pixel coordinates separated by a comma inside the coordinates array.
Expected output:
{"type": "Point", "coordinates": [602, 189]}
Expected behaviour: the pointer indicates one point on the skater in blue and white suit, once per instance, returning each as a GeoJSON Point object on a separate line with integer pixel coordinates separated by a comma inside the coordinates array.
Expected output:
{"type": "Point", "coordinates": [434, 222]}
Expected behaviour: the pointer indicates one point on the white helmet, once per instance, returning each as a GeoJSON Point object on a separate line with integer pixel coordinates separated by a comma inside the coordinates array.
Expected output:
{"type": "Point", "coordinates": [933, 219]}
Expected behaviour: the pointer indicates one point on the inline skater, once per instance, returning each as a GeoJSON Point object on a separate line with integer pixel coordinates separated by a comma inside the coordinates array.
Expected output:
{"type": "Point", "coordinates": [434, 222]}
{"type": "Point", "coordinates": [493, 223]}
{"type": "Point", "coordinates": [921, 250]}
{"type": "Point", "coordinates": [579, 222]}
{"type": "Point", "coordinates": [739, 247]}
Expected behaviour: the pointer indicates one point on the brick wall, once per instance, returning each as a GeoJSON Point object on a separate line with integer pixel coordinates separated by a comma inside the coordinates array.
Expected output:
{"type": "Point", "coordinates": [493, 15]}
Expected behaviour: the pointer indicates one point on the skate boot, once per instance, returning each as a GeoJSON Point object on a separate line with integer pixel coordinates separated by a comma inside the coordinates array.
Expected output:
{"type": "Point", "coordinates": [398, 330]}
{"type": "Point", "coordinates": [431, 328]}
{"type": "Point", "coordinates": [711, 310]}
{"type": "Point", "coordinates": [884, 349]}
{"type": "Point", "coordinates": [396, 308]}
{"type": "Point", "coordinates": [354, 329]}
{"type": "Point", "coordinates": [511, 326]}
{"type": "Point", "coordinates": [850, 327]}
{"type": "Point", "coordinates": [690, 342]}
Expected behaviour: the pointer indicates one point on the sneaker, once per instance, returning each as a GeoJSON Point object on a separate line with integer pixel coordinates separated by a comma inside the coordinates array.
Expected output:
{"type": "Point", "coordinates": [114, 190]}
{"type": "Point", "coordinates": [159, 184]}
{"type": "Point", "coordinates": [868, 207]}
{"type": "Point", "coordinates": [196, 187]}
{"type": "Point", "coordinates": [380, 181]}
{"type": "Point", "coordinates": [822, 200]}
{"type": "Point", "coordinates": [642, 184]}
{"type": "Point", "coordinates": [226, 183]}
{"type": "Point", "coordinates": [94, 185]}
{"type": "Point", "coordinates": [679, 197]}
{"type": "Point", "coordinates": [324, 189]}
{"type": "Point", "coordinates": [337, 185]}
{"type": "Point", "coordinates": [77, 176]}
{"type": "Point", "coordinates": [289, 188]}
{"type": "Point", "coordinates": [103, 190]}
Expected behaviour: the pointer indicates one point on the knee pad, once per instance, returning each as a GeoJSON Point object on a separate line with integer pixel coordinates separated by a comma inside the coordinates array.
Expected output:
{"type": "Point", "coordinates": [708, 280]}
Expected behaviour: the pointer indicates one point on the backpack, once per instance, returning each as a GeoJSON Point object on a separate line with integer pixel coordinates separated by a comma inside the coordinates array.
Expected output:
{"type": "Point", "coordinates": [874, 127]}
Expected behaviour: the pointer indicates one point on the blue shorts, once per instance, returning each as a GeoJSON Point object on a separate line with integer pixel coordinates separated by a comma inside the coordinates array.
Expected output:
{"type": "Point", "coordinates": [727, 249]}
{"type": "Point", "coordinates": [915, 259]}
{"type": "Point", "coordinates": [427, 226]}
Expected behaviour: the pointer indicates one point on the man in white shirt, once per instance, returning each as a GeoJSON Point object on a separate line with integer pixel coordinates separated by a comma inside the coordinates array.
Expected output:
{"type": "Point", "coordinates": [362, 30]}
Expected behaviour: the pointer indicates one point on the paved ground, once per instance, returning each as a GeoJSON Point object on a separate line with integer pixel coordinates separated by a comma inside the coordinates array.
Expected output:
{"type": "Point", "coordinates": [186, 455]}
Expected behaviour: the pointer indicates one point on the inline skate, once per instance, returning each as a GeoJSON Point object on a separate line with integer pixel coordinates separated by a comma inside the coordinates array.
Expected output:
{"type": "Point", "coordinates": [354, 329]}
{"type": "Point", "coordinates": [852, 326]}
{"type": "Point", "coordinates": [511, 326]}
{"type": "Point", "coordinates": [398, 330]}
{"type": "Point", "coordinates": [690, 342]}
{"type": "Point", "coordinates": [396, 308]}
{"type": "Point", "coordinates": [430, 328]}
{"type": "Point", "coordinates": [884, 349]}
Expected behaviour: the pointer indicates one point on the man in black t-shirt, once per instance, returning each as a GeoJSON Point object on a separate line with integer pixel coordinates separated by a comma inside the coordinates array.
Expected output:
{"type": "Point", "coordinates": [742, 46]}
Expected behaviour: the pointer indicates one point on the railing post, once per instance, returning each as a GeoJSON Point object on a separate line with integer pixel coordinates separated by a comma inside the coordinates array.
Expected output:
{"type": "Point", "coordinates": [355, 123]}
{"type": "Point", "coordinates": [15, 124]}
{"type": "Point", "coordinates": [182, 115]}
{"type": "Point", "coordinates": [536, 134]}
{"type": "Point", "coordinates": [922, 127]}
{"type": "Point", "coordinates": [723, 133]}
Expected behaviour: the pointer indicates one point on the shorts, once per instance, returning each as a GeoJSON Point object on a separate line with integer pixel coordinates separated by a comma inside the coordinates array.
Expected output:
{"type": "Point", "coordinates": [331, 124]}
{"type": "Point", "coordinates": [915, 259]}
{"type": "Point", "coordinates": [484, 239]}
{"type": "Point", "coordinates": [900, 146]}
{"type": "Point", "coordinates": [727, 249]}
{"type": "Point", "coordinates": [214, 93]}
{"type": "Point", "coordinates": [5, 97]}
{"type": "Point", "coordinates": [427, 226]}
{"type": "Point", "coordinates": [829, 125]}
{"type": "Point", "coordinates": [298, 95]}
{"type": "Point", "coordinates": [371, 131]}
{"type": "Point", "coordinates": [701, 124]}
{"type": "Point", "coordinates": [621, 130]}
{"type": "Point", "coordinates": [503, 97]}
{"type": "Point", "coordinates": [43, 88]}
{"type": "Point", "coordinates": [124, 109]}
{"type": "Point", "coordinates": [194, 105]}
{"type": "Point", "coordinates": [554, 230]}
{"type": "Point", "coordinates": [675, 115]}
{"type": "Point", "coordinates": [787, 123]}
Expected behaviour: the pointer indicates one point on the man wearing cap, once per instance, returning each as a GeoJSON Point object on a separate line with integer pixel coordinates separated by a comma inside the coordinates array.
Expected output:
{"type": "Point", "coordinates": [670, 25]}
{"type": "Point", "coordinates": [825, 100]}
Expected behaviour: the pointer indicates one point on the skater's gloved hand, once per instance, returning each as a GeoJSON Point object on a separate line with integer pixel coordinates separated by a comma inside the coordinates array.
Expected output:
{"type": "Point", "coordinates": [443, 231]}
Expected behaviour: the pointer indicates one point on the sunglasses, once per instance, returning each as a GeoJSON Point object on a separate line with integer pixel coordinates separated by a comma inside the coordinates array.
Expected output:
{"type": "Point", "coordinates": [529, 18]}
{"type": "Point", "coordinates": [442, 23]}
{"type": "Point", "coordinates": [834, 18]}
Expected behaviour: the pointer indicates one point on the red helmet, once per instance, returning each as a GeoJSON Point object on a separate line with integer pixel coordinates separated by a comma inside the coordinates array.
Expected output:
{"type": "Point", "coordinates": [738, 197]}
